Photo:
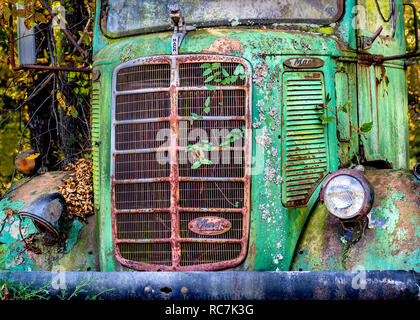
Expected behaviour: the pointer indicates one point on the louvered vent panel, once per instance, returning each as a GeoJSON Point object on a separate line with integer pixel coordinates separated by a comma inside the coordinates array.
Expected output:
{"type": "Point", "coordinates": [304, 136]}
{"type": "Point", "coordinates": [95, 141]}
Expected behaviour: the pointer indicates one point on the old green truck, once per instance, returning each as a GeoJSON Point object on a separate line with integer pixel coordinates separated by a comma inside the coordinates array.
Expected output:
{"type": "Point", "coordinates": [241, 150]}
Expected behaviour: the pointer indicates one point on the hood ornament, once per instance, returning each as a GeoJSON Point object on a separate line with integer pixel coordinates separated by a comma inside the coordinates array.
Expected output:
{"type": "Point", "coordinates": [180, 29]}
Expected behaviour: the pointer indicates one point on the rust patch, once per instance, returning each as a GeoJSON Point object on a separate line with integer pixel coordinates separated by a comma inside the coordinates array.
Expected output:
{"type": "Point", "coordinates": [225, 45]}
{"type": "Point", "coordinates": [175, 241]}
{"type": "Point", "coordinates": [45, 183]}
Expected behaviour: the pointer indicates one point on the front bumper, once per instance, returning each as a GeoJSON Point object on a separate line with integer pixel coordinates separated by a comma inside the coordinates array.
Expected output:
{"type": "Point", "coordinates": [304, 285]}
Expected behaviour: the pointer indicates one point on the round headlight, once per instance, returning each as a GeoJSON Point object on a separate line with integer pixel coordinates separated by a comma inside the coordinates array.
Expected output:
{"type": "Point", "coordinates": [347, 194]}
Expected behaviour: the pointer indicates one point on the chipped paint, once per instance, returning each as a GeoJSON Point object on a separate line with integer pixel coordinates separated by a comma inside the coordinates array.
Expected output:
{"type": "Point", "coordinates": [275, 229]}
{"type": "Point", "coordinates": [73, 254]}
{"type": "Point", "coordinates": [390, 242]}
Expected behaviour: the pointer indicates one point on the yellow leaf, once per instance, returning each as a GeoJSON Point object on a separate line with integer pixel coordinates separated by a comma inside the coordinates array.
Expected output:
{"type": "Point", "coordinates": [61, 100]}
{"type": "Point", "coordinates": [32, 156]}
{"type": "Point", "coordinates": [29, 22]}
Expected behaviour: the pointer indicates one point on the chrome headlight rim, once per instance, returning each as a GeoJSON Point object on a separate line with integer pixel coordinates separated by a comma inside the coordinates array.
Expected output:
{"type": "Point", "coordinates": [364, 182]}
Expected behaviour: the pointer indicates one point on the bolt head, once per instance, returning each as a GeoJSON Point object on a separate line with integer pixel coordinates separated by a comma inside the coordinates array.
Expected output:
{"type": "Point", "coordinates": [148, 290]}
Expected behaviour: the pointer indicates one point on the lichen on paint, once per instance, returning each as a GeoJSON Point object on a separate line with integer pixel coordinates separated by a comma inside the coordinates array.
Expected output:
{"type": "Point", "coordinates": [264, 139]}
{"type": "Point", "coordinates": [260, 74]}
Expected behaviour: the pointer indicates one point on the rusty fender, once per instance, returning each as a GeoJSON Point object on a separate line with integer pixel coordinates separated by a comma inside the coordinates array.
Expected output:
{"type": "Point", "coordinates": [388, 238]}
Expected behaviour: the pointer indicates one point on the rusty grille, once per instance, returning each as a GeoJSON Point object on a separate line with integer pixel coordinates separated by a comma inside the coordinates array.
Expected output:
{"type": "Point", "coordinates": [141, 165]}
{"type": "Point", "coordinates": [212, 130]}
{"type": "Point", "coordinates": [206, 253]}
{"type": "Point", "coordinates": [142, 195]}
{"type": "Point", "coordinates": [211, 194]}
{"type": "Point", "coordinates": [155, 225]}
{"type": "Point", "coordinates": [223, 102]}
{"type": "Point", "coordinates": [226, 163]}
{"type": "Point", "coordinates": [147, 253]}
{"type": "Point", "coordinates": [139, 135]}
{"type": "Point", "coordinates": [143, 106]}
{"type": "Point", "coordinates": [305, 136]}
{"type": "Point", "coordinates": [235, 231]}
{"type": "Point", "coordinates": [144, 76]}
{"type": "Point", "coordinates": [191, 74]}
{"type": "Point", "coordinates": [155, 191]}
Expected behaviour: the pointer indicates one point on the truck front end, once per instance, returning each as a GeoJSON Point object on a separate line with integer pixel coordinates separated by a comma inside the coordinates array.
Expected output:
{"type": "Point", "coordinates": [216, 128]}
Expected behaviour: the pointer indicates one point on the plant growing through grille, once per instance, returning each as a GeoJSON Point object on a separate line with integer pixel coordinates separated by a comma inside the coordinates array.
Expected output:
{"type": "Point", "coordinates": [156, 188]}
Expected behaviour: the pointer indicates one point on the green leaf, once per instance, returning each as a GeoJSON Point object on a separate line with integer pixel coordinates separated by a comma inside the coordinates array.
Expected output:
{"type": "Point", "coordinates": [210, 87]}
{"type": "Point", "coordinates": [206, 72]}
{"type": "Point", "coordinates": [207, 102]}
{"type": "Point", "coordinates": [328, 99]}
{"type": "Point", "coordinates": [209, 79]}
{"type": "Point", "coordinates": [196, 165]}
{"type": "Point", "coordinates": [327, 120]}
{"type": "Point", "coordinates": [74, 113]}
{"type": "Point", "coordinates": [355, 128]}
{"type": "Point", "coordinates": [366, 127]}
{"type": "Point", "coordinates": [217, 80]}
{"type": "Point", "coordinates": [342, 109]}
{"type": "Point", "coordinates": [215, 65]}
{"type": "Point", "coordinates": [206, 161]}
{"type": "Point", "coordinates": [196, 116]}
{"type": "Point", "coordinates": [225, 73]}
{"type": "Point", "coordinates": [205, 65]}
{"type": "Point", "coordinates": [228, 136]}
{"type": "Point", "coordinates": [233, 79]}
{"type": "Point", "coordinates": [207, 109]}
{"type": "Point", "coordinates": [237, 70]}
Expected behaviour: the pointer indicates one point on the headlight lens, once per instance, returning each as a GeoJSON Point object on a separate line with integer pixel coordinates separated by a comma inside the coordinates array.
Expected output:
{"type": "Point", "coordinates": [347, 194]}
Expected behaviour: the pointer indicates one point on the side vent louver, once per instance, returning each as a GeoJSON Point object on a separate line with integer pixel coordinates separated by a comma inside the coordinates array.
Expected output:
{"type": "Point", "coordinates": [95, 140]}
{"type": "Point", "coordinates": [305, 156]}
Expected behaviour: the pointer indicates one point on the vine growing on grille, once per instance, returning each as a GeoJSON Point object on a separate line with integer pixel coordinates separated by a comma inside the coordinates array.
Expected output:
{"type": "Point", "coordinates": [214, 72]}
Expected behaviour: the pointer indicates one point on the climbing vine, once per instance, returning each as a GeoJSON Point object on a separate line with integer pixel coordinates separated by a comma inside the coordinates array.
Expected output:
{"type": "Point", "coordinates": [216, 73]}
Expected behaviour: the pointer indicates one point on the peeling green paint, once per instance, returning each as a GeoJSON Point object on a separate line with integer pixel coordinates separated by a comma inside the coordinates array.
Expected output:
{"type": "Point", "coordinates": [274, 229]}
{"type": "Point", "coordinates": [390, 242]}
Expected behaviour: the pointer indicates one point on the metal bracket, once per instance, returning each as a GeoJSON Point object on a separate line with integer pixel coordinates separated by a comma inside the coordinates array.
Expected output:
{"type": "Point", "coordinates": [177, 22]}
{"type": "Point", "coordinates": [368, 41]}
{"type": "Point", "coordinates": [180, 29]}
{"type": "Point", "coordinates": [415, 52]}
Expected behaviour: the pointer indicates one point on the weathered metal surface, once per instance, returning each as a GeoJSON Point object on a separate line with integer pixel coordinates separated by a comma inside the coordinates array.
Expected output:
{"type": "Point", "coordinates": [77, 252]}
{"type": "Point", "coordinates": [305, 141]}
{"type": "Point", "coordinates": [274, 229]}
{"type": "Point", "coordinates": [304, 63]}
{"type": "Point", "coordinates": [187, 286]}
{"type": "Point", "coordinates": [30, 188]}
{"type": "Point", "coordinates": [388, 239]}
{"type": "Point", "coordinates": [209, 225]}
{"type": "Point", "coordinates": [165, 74]}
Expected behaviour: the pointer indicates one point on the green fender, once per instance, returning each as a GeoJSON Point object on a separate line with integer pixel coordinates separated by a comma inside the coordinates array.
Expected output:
{"type": "Point", "coordinates": [386, 239]}
{"type": "Point", "coordinates": [78, 253]}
